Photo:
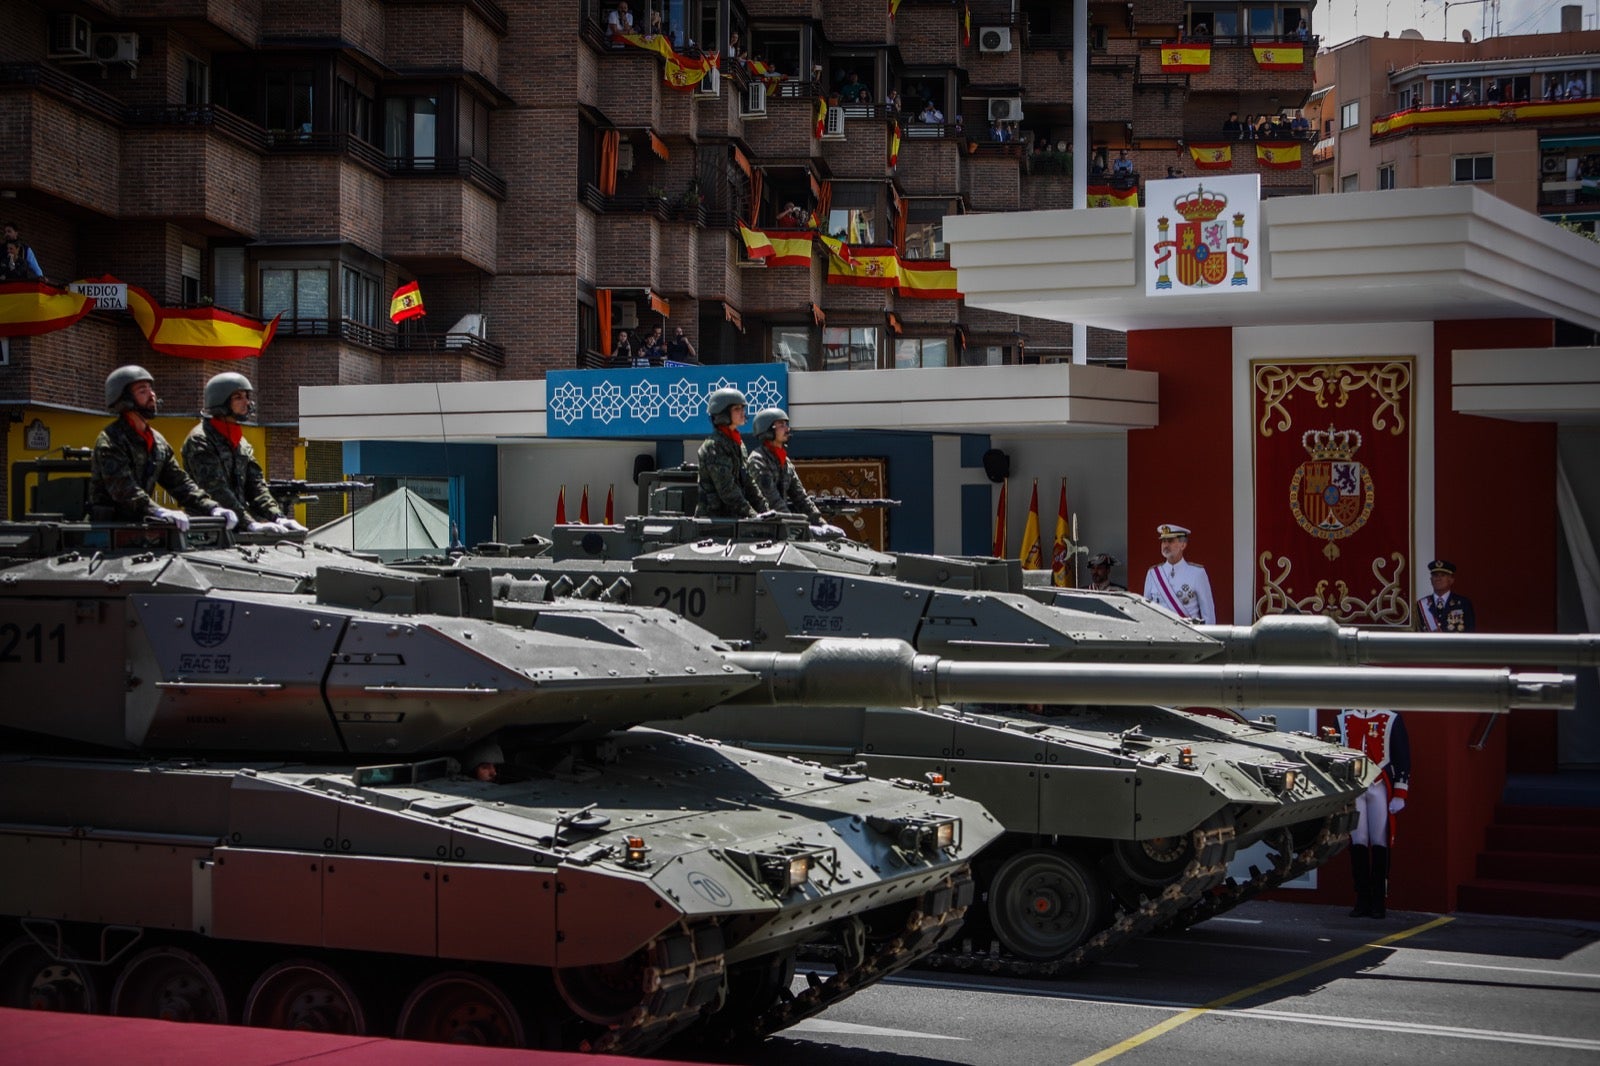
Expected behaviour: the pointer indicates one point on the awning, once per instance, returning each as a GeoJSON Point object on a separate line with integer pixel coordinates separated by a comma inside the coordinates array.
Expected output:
{"type": "Point", "coordinates": [1318, 94]}
{"type": "Point", "coordinates": [894, 322]}
{"type": "Point", "coordinates": [658, 146]}
{"type": "Point", "coordinates": [817, 316]}
{"type": "Point", "coordinates": [1569, 142]}
{"type": "Point", "coordinates": [660, 306]}
{"type": "Point", "coordinates": [733, 316]}
{"type": "Point", "coordinates": [741, 162]}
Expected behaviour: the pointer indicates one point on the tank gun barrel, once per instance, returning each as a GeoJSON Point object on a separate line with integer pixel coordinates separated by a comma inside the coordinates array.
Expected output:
{"type": "Point", "coordinates": [888, 672]}
{"type": "Point", "coordinates": [1314, 639]}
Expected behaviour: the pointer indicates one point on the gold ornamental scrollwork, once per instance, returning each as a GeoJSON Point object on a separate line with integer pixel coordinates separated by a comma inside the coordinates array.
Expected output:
{"type": "Point", "coordinates": [1389, 606]}
{"type": "Point", "coordinates": [1333, 383]}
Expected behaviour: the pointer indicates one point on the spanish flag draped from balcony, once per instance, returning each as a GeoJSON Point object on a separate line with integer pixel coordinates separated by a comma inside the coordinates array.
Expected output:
{"type": "Point", "coordinates": [1185, 57]}
{"type": "Point", "coordinates": [29, 308]}
{"type": "Point", "coordinates": [764, 71]}
{"type": "Point", "coordinates": [894, 8]}
{"type": "Point", "coordinates": [1032, 555]}
{"type": "Point", "coordinates": [822, 116]}
{"type": "Point", "coordinates": [1280, 56]}
{"type": "Point", "coordinates": [406, 303]}
{"type": "Point", "coordinates": [837, 249]}
{"type": "Point", "coordinates": [872, 268]}
{"type": "Point", "coordinates": [1280, 155]}
{"type": "Point", "coordinates": [198, 332]}
{"type": "Point", "coordinates": [1211, 156]}
{"type": "Point", "coordinates": [1000, 524]}
{"type": "Point", "coordinates": [894, 144]}
{"type": "Point", "coordinates": [682, 72]}
{"type": "Point", "coordinates": [966, 25]}
{"type": "Point", "coordinates": [928, 279]}
{"type": "Point", "coordinates": [778, 249]}
{"type": "Point", "coordinates": [1110, 196]}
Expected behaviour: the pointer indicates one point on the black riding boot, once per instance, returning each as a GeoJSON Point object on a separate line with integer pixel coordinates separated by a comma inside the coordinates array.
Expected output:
{"type": "Point", "coordinates": [1361, 874]}
{"type": "Point", "coordinates": [1380, 882]}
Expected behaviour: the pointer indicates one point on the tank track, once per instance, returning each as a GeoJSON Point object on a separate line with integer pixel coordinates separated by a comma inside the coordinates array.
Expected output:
{"type": "Point", "coordinates": [1332, 837]}
{"type": "Point", "coordinates": [683, 976]}
{"type": "Point", "coordinates": [1204, 871]}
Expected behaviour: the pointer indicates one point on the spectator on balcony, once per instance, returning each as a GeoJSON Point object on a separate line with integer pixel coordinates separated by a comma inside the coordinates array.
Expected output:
{"type": "Point", "coordinates": [1576, 89]}
{"type": "Point", "coordinates": [1202, 32]}
{"type": "Point", "coordinates": [654, 28]}
{"type": "Point", "coordinates": [620, 20]}
{"type": "Point", "coordinates": [891, 102]}
{"type": "Point", "coordinates": [1492, 96]}
{"type": "Point", "coordinates": [1000, 133]}
{"type": "Point", "coordinates": [793, 216]}
{"type": "Point", "coordinates": [1248, 130]}
{"type": "Point", "coordinates": [1264, 127]}
{"type": "Point", "coordinates": [14, 234]}
{"type": "Point", "coordinates": [853, 91]}
{"type": "Point", "coordinates": [1302, 31]}
{"type": "Point", "coordinates": [1233, 129]}
{"type": "Point", "coordinates": [931, 115]}
{"type": "Point", "coordinates": [1470, 95]}
{"type": "Point", "coordinates": [735, 49]}
{"type": "Point", "coordinates": [1455, 98]}
{"type": "Point", "coordinates": [1123, 167]}
{"type": "Point", "coordinates": [1300, 127]}
{"type": "Point", "coordinates": [622, 351]}
{"type": "Point", "coordinates": [680, 349]}
{"type": "Point", "coordinates": [14, 264]}
{"type": "Point", "coordinates": [653, 352]}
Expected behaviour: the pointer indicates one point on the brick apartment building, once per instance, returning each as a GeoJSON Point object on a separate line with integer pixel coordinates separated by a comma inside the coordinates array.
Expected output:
{"type": "Point", "coordinates": [308, 158]}
{"type": "Point", "coordinates": [1517, 116]}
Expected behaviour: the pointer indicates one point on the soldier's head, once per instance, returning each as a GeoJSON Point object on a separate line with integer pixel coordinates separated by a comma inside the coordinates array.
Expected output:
{"type": "Point", "coordinates": [1442, 574]}
{"type": "Point", "coordinates": [131, 388]}
{"type": "Point", "coordinates": [726, 407]}
{"type": "Point", "coordinates": [771, 424]}
{"type": "Point", "coordinates": [1174, 542]}
{"type": "Point", "coordinates": [230, 396]}
{"type": "Point", "coordinates": [1100, 567]}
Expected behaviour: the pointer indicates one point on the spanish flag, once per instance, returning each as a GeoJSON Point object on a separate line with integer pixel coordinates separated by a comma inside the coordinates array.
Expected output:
{"type": "Point", "coordinates": [199, 332]}
{"type": "Point", "coordinates": [1185, 58]}
{"type": "Point", "coordinates": [873, 268]}
{"type": "Point", "coordinates": [894, 144]}
{"type": "Point", "coordinates": [928, 279]}
{"type": "Point", "coordinates": [837, 249]}
{"type": "Point", "coordinates": [894, 8]}
{"type": "Point", "coordinates": [29, 308]}
{"type": "Point", "coordinates": [966, 25]}
{"type": "Point", "coordinates": [406, 303]}
{"type": "Point", "coordinates": [1000, 524]}
{"type": "Point", "coordinates": [681, 72]}
{"type": "Point", "coordinates": [1061, 574]}
{"type": "Point", "coordinates": [778, 249]}
{"type": "Point", "coordinates": [822, 116]}
{"type": "Point", "coordinates": [756, 242]}
{"type": "Point", "coordinates": [1032, 556]}
{"type": "Point", "coordinates": [1110, 196]}
{"type": "Point", "coordinates": [764, 71]}
{"type": "Point", "coordinates": [1280, 56]}
{"type": "Point", "coordinates": [1280, 155]}
{"type": "Point", "coordinates": [1211, 156]}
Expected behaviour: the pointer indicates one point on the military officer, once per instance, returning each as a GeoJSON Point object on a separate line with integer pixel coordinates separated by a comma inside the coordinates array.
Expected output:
{"type": "Point", "coordinates": [726, 490]}
{"type": "Point", "coordinates": [1381, 737]}
{"type": "Point", "coordinates": [1446, 611]}
{"type": "Point", "coordinates": [1177, 584]}
{"type": "Point", "coordinates": [1100, 573]}
{"type": "Point", "coordinates": [775, 476]}
{"type": "Point", "coordinates": [224, 464]}
{"type": "Point", "coordinates": [130, 459]}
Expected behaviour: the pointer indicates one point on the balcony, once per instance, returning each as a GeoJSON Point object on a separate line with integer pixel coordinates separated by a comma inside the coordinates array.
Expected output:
{"type": "Point", "coordinates": [196, 176]}
{"type": "Point", "coordinates": [237, 21]}
{"type": "Point", "coordinates": [1548, 116]}
{"type": "Point", "coordinates": [86, 169]}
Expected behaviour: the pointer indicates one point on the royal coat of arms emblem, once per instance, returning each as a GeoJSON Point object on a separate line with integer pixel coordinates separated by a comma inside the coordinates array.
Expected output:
{"type": "Point", "coordinates": [1331, 494]}
{"type": "Point", "coordinates": [1201, 243]}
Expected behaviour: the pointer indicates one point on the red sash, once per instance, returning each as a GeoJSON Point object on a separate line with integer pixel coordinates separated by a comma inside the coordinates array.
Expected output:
{"type": "Point", "coordinates": [1167, 592]}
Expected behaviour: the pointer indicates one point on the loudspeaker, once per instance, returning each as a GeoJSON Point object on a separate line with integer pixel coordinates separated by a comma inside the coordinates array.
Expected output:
{"type": "Point", "coordinates": [643, 463]}
{"type": "Point", "coordinates": [996, 465]}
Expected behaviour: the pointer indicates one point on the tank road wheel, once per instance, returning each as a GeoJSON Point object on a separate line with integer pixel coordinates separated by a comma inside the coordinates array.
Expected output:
{"type": "Point", "coordinates": [30, 979]}
{"type": "Point", "coordinates": [1159, 861]}
{"type": "Point", "coordinates": [458, 1007]}
{"type": "Point", "coordinates": [171, 984]}
{"type": "Point", "coordinates": [1044, 903]}
{"type": "Point", "coordinates": [307, 995]}
{"type": "Point", "coordinates": [604, 993]}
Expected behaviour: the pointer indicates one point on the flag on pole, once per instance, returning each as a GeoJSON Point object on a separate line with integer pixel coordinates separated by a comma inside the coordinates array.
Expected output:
{"type": "Point", "coordinates": [29, 308]}
{"type": "Point", "coordinates": [406, 303]}
{"type": "Point", "coordinates": [561, 506]}
{"type": "Point", "coordinates": [583, 507]}
{"type": "Point", "coordinates": [1061, 553]}
{"type": "Point", "coordinates": [1032, 556]}
{"type": "Point", "coordinates": [1000, 524]}
{"type": "Point", "coordinates": [611, 492]}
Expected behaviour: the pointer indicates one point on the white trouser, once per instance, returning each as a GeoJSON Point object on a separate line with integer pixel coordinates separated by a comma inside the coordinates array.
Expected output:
{"type": "Point", "coordinates": [1373, 825]}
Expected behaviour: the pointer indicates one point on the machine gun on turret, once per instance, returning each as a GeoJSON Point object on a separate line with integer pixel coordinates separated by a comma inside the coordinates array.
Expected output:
{"type": "Point", "coordinates": [291, 491]}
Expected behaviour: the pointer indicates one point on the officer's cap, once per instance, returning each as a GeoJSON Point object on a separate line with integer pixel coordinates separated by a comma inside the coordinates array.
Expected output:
{"type": "Point", "coordinates": [1441, 566]}
{"type": "Point", "coordinates": [1104, 559]}
{"type": "Point", "coordinates": [1168, 530]}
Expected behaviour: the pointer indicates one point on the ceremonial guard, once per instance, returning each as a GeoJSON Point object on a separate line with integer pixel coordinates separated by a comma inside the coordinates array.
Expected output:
{"type": "Point", "coordinates": [1446, 611]}
{"type": "Point", "coordinates": [726, 490]}
{"type": "Point", "coordinates": [1178, 585]}
{"type": "Point", "coordinates": [1381, 737]}
{"type": "Point", "coordinates": [775, 476]}
{"type": "Point", "coordinates": [224, 464]}
{"type": "Point", "coordinates": [1100, 574]}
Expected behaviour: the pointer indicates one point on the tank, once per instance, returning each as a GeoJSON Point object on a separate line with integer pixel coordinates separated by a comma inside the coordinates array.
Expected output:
{"type": "Point", "coordinates": [1110, 831]}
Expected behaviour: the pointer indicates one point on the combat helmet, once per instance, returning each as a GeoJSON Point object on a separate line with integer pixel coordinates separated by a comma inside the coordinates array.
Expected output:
{"type": "Point", "coordinates": [720, 402]}
{"type": "Point", "coordinates": [223, 386]}
{"type": "Point", "coordinates": [765, 419]}
{"type": "Point", "coordinates": [119, 381]}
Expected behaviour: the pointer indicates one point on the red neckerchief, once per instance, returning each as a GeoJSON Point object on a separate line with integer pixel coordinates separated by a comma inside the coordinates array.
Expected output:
{"type": "Point", "coordinates": [732, 434]}
{"type": "Point", "coordinates": [147, 433]}
{"type": "Point", "coordinates": [779, 452]}
{"type": "Point", "coordinates": [232, 430]}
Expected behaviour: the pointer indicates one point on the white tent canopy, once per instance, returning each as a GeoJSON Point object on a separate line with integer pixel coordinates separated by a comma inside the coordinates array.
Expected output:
{"type": "Point", "coordinates": [395, 526]}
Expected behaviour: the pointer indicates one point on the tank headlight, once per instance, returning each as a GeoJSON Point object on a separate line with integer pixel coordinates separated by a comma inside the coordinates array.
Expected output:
{"type": "Point", "coordinates": [1289, 779]}
{"type": "Point", "coordinates": [1279, 776]}
{"type": "Point", "coordinates": [930, 833]}
{"type": "Point", "coordinates": [799, 870]}
{"type": "Point", "coordinates": [1358, 768]}
{"type": "Point", "coordinates": [786, 868]}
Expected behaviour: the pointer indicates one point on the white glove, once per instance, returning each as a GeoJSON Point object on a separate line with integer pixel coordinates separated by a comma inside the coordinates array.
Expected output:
{"type": "Point", "coordinates": [1397, 805]}
{"type": "Point", "coordinates": [176, 518]}
{"type": "Point", "coordinates": [824, 531]}
{"type": "Point", "coordinates": [228, 517]}
{"type": "Point", "coordinates": [263, 527]}
{"type": "Point", "coordinates": [289, 525]}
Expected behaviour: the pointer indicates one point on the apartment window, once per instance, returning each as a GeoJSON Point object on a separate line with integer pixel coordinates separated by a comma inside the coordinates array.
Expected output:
{"type": "Point", "coordinates": [411, 128]}
{"type": "Point", "coordinates": [1474, 168]}
{"type": "Point", "coordinates": [850, 347]}
{"type": "Point", "coordinates": [472, 128]}
{"type": "Point", "coordinates": [289, 101]}
{"type": "Point", "coordinates": [921, 351]}
{"type": "Point", "coordinates": [227, 278]}
{"type": "Point", "coordinates": [355, 104]}
{"type": "Point", "coordinates": [791, 345]}
{"type": "Point", "coordinates": [1386, 176]}
{"type": "Point", "coordinates": [589, 326]}
{"type": "Point", "coordinates": [1350, 183]}
{"type": "Point", "coordinates": [300, 294]}
{"type": "Point", "coordinates": [358, 296]}
{"type": "Point", "coordinates": [856, 212]}
{"type": "Point", "coordinates": [987, 355]}
{"type": "Point", "coordinates": [189, 274]}
{"type": "Point", "coordinates": [925, 228]}
{"type": "Point", "coordinates": [196, 83]}
{"type": "Point", "coordinates": [781, 47]}
{"type": "Point", "coordinates": [1349, 114]}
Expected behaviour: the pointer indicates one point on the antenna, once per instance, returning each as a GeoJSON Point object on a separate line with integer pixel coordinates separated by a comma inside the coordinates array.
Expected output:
{"type": "Point", "coordinates": [444, 437]}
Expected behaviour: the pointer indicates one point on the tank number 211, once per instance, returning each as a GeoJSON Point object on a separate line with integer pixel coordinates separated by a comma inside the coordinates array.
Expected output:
{"type": "Point", "coordinates": [15, 643]}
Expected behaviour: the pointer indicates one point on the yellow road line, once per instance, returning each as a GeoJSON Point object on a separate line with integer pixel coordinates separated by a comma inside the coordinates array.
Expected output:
{"type": "Point", "coordinates": [1231, 998]}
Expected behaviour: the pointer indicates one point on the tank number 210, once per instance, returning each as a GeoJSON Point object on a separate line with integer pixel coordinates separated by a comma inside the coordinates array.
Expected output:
{"type": "Point", "coordinates": [691, 603]}
{"type": "Point", "coordinates": [15, 642]}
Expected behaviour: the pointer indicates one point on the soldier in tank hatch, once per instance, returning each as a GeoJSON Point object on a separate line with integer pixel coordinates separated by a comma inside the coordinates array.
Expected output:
{"type": "Point", "coordinates": [774, 474]}
{"type": "Point", "coordinates": [1175, 583]}
{"type": "Point", "coordinates": [224, 464]}
{"type": "Point", "coordinates": [726, 490]}
{"type": "Point", "coordinates": [130, 459]}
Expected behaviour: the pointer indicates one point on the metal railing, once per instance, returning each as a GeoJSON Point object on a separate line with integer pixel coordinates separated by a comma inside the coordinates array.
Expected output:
{"type": "Point", "coordinates": [385, 340]}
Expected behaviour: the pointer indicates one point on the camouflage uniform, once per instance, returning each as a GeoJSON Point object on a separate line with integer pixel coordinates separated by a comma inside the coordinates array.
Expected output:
{"type": "Point", "coordinates": [779, 484]}
{"type": "Point", "coordinates": [123, 474]}
{"type": "Point", "coordinates": [726, 490]}
{"type": "Point", "coordinates": [231, 475]}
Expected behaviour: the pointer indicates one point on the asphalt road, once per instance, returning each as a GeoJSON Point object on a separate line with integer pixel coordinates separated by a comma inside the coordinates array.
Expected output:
{"type": "Point", "coordinates": [1270, 983]}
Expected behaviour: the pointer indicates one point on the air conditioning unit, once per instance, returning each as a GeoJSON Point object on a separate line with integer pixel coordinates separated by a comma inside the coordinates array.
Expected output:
{"type": "Point", "coordinates": [624, 315]}
{"type": "Point", "coordinates": [994, 39]}
{"type": "Point", "coordinates": [833, 126]}
{"type": "Point", "coordinates": [755, 99]}
{"type": "Point", "coordinates": [1005, 109]}
{"type": "Point", "coordinates": [70, 37]}
{"type": "Point", "coordinates": [624, 157]}
{"type": "Point", "coordinates": [1553, 164]}
{"type": "Point", "coordinates": [115, 48]}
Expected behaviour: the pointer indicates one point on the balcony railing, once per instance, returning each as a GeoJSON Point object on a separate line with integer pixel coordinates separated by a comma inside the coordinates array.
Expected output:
{"type": "Point", "coordinates": [49, 79]}
{"type": "Point", "coordinates": [384, 340]}
{"type": "Point", "coordinates": [592, 360]}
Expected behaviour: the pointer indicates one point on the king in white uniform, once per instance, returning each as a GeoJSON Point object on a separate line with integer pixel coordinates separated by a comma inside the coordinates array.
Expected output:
{"type": "Point", "coordinates": [1177, 584]}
